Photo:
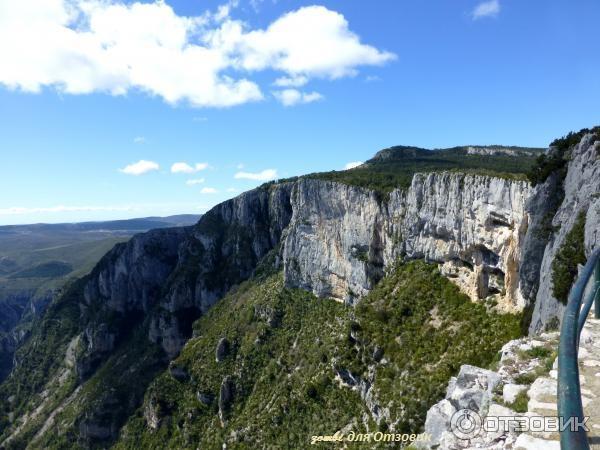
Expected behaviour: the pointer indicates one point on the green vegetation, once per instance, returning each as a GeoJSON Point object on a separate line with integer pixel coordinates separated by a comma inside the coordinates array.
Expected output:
{"type": "Point", "coordinates": [289, 352]}
{"type": "Point", "coordinates": [40, 361]}
{"type": "Point", "coordinates": [282, 345]}
{"type": "Point", "coordinates": [539, 352]}
{"type": "Point", "coordinates": [520, 403]}
{"type": "Point", "coordinates": [51, 269]}
{"type": "Point", "coordinates": [571, 253]}
{"type": "Point", "coordinates": [546, 355]}
{"type": "Point", "coordinates": [557, 159]}
{"type": "Point", "coordinates": [394, 167]}
{"type": "Point", "coordinates": [427, 329]}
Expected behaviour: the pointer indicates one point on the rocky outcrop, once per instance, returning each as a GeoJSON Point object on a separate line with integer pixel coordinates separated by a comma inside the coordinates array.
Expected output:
{"type": "Point", "coordinates": [170, 276]}
{"type": "Point", "coordinates": [341, 238]}
{"type": "Point", "coordinates": [17, 311]}
{"type": "Point", "coordinates": [141, 299]}
{"type": "Point", "coordinates": [472, 225]}
{"type": "Point", "coordinates": [222, 349]}
{"type": "Point", "coordinates": [226, 393]}
{"type": "Point", "coordinates": [478, 398]}
{"type": "Point", "coordinates": [581, 187]}
{"type": "Point", "coordinates": [333, 244]}
{"type": "Point", "coordinates": [494, 237]}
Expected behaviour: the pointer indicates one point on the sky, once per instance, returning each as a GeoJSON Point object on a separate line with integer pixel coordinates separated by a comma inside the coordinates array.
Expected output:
{"type": "Point", "coordinates": [116, 109]}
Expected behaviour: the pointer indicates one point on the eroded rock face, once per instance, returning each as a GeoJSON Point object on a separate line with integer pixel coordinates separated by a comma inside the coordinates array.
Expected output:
{"type": "Point", "coordinates": [472, 225]}
{"type": "Point", "coordinates": [472, 389]}
{"type": "Point", "coordinates": [222, 350]}
{"type": "Point", "coordinates": [333, 246]}
{"type": "Point", "coordinates": [341, 238]}
{"type": "Point", "coordinates": [581, 193]}
{"type": "Point", "coordinates": [226, 394]}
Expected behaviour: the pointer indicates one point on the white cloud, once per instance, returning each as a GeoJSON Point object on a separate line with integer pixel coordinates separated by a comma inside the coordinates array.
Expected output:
{"type": "Point", "coordinates": [296, 81]}
{"type": "Point", "coordinates": [208, 190]}
{"type": "Point", "coordinates": [182, 167]}
{"type": "Point", "coordinates": [352, 165]}
{"type": "Point", "coordinates": [114, 47]}
{"type": "Point", "coordinates": [265, 175]}
{"type": "Point", "coordinates": [291, 97]}
{"type": "Point", "coordinates": [372, 78]}
{"type": "Point", "coordinates": [486, 9]}
{"type": "Point", "coordinates": [140, 167]}
{"type": "Point", "coordinates": [195, 182]}
{"type": "Point", "coordinates": [139, 140]}
{"type": "Point", "coordinates": [240, 166]}
{"type": "Point", "coordinates": [232, 189]}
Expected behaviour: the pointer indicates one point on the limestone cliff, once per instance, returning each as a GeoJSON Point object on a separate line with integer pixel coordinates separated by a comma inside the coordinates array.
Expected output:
{"type": "Point", "coordinates": [494, 237]}
{"type": "Point", "coordinates": [580, 192]}
{"type": "Point", "coordinates": [341, 238]}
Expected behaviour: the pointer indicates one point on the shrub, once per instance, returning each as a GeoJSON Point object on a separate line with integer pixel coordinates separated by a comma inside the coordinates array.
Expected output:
{"type": "Point", "coordinates": [520, 403]}
{"type": "Point", "coordinates": [569, 256]}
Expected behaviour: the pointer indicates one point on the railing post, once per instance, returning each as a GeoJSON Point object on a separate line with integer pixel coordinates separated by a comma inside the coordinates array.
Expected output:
{"type": "Point", "coordinates": [597, 276]}
{"type": "Point", "coordinates": [569, 391]}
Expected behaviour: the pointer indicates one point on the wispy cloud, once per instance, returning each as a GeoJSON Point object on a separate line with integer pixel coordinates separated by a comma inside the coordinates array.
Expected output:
{"type": "Point", "coordinates": [140, 167]}
{"type": "Point", "coordinates": [13, 211]}
{"type": "Point", "coordinates": [195, 182]}
{"type": "Point", "coordinates": [232, 189]}
{"type": "Point", "coordinates": [489, 8]}
{"type": "Point", "coordinates": [208, 190]}
{"type": "Point", "coordinates": [352, 165]}
{"type": "Point", "coordinates": [265, 175]}
{"type": "Point", "coordinates": [291, 97]}
{"type": "Point", "coordinates": [295, 81]}
{"type": "Point", "coordinates": [209, 60]}
{"type": "Point", "coordinates": [139, 140]}
{"type": "Point", "coordinates": [200, 119]}
{"type": "Point", "coordinates": [182, 167]}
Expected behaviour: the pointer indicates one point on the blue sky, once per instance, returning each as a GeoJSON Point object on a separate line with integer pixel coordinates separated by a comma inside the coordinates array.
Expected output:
{"type": "Point", "coordinates": [81, 100]}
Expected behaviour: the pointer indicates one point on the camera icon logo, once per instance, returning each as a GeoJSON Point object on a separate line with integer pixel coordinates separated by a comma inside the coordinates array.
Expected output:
{"type": "Point", "coordinates": [465, 424]}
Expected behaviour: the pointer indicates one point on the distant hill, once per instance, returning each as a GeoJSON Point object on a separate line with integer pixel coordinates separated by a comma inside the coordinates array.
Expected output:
{"type": "Point", "coordinates": [38, 259]}
{"type": "Point", "coordinates": [394, 167]}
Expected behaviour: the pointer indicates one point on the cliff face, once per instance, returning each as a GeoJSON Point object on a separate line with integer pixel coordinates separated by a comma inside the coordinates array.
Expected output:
{"type": "Point", "coordinates": [13, 309]}
{"type": "Point", "coordinates": [134, 312]}
{"type": "Point", "coordinates": [493, 237]}
{"type": "Point", "coordinates": [580, 193]}
{"type": "Point", "coordinates": [341, 238]}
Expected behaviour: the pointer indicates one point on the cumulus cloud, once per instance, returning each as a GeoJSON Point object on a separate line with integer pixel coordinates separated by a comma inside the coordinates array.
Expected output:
{"type": "Point", "coordinates": [352, 165]}
{"type": "Point", "coordinates": [208, 190]}
{"type": "Point", "coordinates": [182, 167]}
{"type": "Point", "coordinates": [291, 97]}
{"type": "Point", "coordinates": [265, 175]}
{"type": "Point", "coordinates": [195, 182]}
{"type": "Point", "coordinates": [140, 167]}
{"type": "Point", "coordinates": [486, 9]}
{"type": "Point", "coordinates": [112, 46]}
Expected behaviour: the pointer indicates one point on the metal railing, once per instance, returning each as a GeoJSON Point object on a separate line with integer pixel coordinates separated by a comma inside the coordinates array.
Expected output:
{"type": "Point", "coordinates": [569, 391]}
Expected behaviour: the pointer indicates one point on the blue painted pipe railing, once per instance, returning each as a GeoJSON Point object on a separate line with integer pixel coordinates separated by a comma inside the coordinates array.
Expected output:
{"type": "Point", "coordinates": [569, 390]}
